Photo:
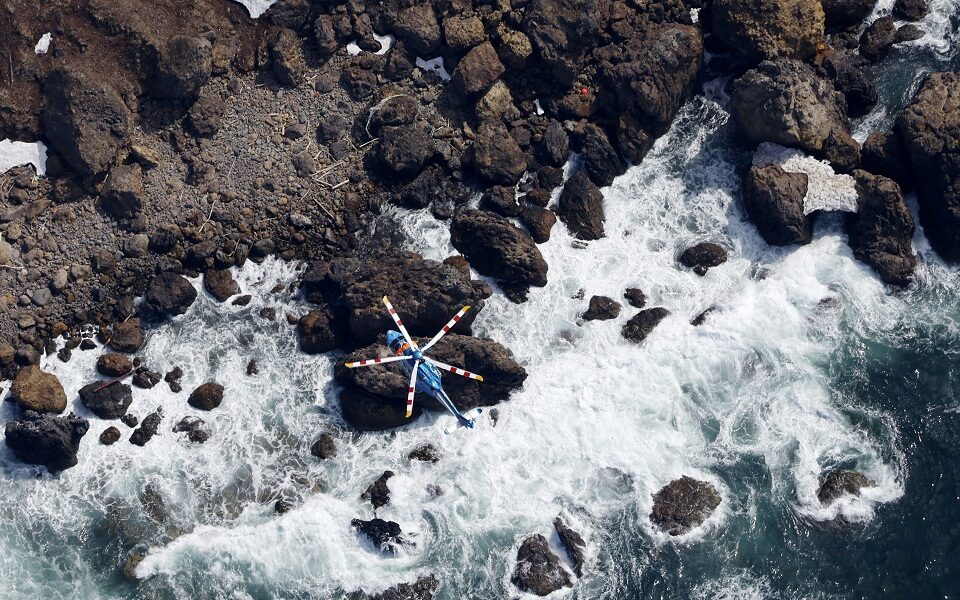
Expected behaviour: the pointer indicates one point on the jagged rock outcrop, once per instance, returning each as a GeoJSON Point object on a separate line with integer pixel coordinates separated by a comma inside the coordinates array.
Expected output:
{"type": "Point", "coordinates": [539, 571]}
{"type": "Point", "coordinates": [107, 401]}
{"type": "Point", "coordinates": [703, 256]}
{"type": "Point", "coordinates": [930, 129]}
{"type": "Point", "coordinates": [643, 323]}
{"type": "Point", "coordinates": [841, 482]}
{"type": "Point", "coordinates": [185, 63]}
{"type": "Point", "coordinates": [784, 102]}
{"type": "Point", "coordinates": [580, 207]}
{"type": "Point", "coordinates": [841, 14]}
{"type": "Point", "coordinates": [573, 542]}
{"type": "Point", "coordinates": [561, 31]}
{"type": "Point", "coordinates": [496, 247]}
{"type": "Point", "coordinates": [46, 440]}
{"type": "Point", "coordinates": [386, 536]}
{"type": "Point", "coordinates": [764, 29]}
{"type": "Point", "coordinates": [495, 155]}
{"type": "Point", "coordinates": [773, 199]}
{"type": "Point", "coordinates": [881, 231]}
{"type": "Point", "coordinates": [683, 504]}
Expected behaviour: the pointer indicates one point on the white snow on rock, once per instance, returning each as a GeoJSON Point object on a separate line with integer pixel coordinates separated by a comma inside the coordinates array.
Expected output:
{"type": "Point", "coordinates": [353, 49]}
{"type": "Point", "coordinates": [15, 154]}
{"type": "Point", "coordinates": [826, 189]}
{"type": "Point", "coordinates": [44, 43]}
{"type": "Point", "coordinates": [436, 65]}
{"type": "Point", "coordinates": [386, 42]}
{"type": "Point", "coordinates": [256, 7]}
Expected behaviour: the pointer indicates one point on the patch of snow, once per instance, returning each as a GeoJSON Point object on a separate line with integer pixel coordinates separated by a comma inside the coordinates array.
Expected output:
{"type": "Point", "coordinates": [256, 7]}
{"type": "Point", "coordinates": [44, 43]}
{"type": "Point", "coordinates": [826, 189]}
{"type": "Point", "coordinates": [435, 65]}
{"type": "Point", "coordinates": [536, 105]}
{"type": "Point", "coordinates": [695, 15]}
{"type": "Point", "coordinates": [353, 49]}
{"type": "Point", "coordinates": [15, 154]}
{"type": "Point", "coordinates": [385, 41]}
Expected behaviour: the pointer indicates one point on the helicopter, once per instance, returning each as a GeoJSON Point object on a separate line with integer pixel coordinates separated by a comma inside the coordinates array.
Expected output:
{"type": "Point", "coordinates": [424, 372]}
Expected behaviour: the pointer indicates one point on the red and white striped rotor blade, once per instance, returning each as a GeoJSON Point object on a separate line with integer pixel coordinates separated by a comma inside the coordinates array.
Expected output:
{"type": "Point", "coordinates": [454, 370]}
{"type": "Point", "coordinates": [413, 388]}
{"type": "Point", "coordinates": [375, 361]}
{"type": "Point", "coordinates": [396, 319]}
{"type": "Point", "coordinates": [456, 318]}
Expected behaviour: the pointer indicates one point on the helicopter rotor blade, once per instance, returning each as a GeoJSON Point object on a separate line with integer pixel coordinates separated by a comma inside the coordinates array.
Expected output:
{"type": "Point", "coordinates": [454, 370]}
{"type": "Point", "coordinates": [456, 318]}
{"type": "Point", "coordinates": [396, 319]}
{"type": "Point", "coordinates": [369, 362]}
{"type": "Point", "coordinates": [413, 387]}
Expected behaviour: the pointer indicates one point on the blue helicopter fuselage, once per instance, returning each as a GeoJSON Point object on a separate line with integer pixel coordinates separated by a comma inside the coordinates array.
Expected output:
{"type": "Point", "coordinates": [428, 376]}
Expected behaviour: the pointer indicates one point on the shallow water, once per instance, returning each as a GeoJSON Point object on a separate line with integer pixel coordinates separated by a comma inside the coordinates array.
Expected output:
{"type": "Point", "coordinates": [773, 389]}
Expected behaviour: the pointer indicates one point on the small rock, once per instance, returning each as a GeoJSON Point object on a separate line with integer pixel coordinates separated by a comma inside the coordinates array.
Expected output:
{"type": "Point", "coordinates": [574, 543]}
{"type": "Point", "coordinates": [147, 429]}
{"type": "Point", "coordinates": [683, 504]}
{"type": "Point", "coordinates": [635, 297]}
{"type": "Point", "coordinates": [206, 397]}
{"type": "Point", "coordinates": [113, 365]}
{"type": "Point", "coordinates": [378, 493]}
{"type": "Point", "coordinates": [841, 482]}
{"type": "Point", "coordinates": [539, 571]}
{"type": "Point", "coordinates": [325, 447]}
{"type": "Point", "coordinates": [109, 435]}
{"type": "Point", "coordinates": [193, 427]}
{"type": "Point", "coordinates": [425, 453]}
{"type": "Point", "coordinates": [703, 256]}
{"type": "Point", "coordinates": [602, 308]}
{"type": "Point", "coordinates": [220, 283]}
{"type": "Point", "coordinates": [642, 324]}
{"type": "Point", "coordinates": [385, 535]}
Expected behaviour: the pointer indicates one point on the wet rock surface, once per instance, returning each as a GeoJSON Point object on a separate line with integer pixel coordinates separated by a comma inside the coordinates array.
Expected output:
{"type": "Point", "coordinates": [580, 207]}
{"type": "Point", "coordinates": [703, 256]}
{"type": "Point", "coordinates": [839, 483]}
{"type": "Point", "coordinates": [602, 308]}
{"type": "Point", "coordinates": [881, 231]}
{"type": "Point", "coordinates": [38, 391]}
{"type": "Point", "coordinates": [421, 589]}
{"type": "Point", "coordinates": [643, 323]}
{"type": "Point", "coordinates": [46, 440]}
{"type": "Point", "coordinates": [107, 401]}
{"type": "Point", "coordinates": [539, 571]}
{"type": "Point", "coordinates": [573, 542]}
{"type": "Point", "coordinates": [206, 397]}
{"type": "Point", "coordinates": [496, 247]}
{"type": "Point", "coordinates": [386, 536]}
{"type": "Point", "coordinates": [773, 200]}
{"type": "Point", "coordinates": [683, 504]}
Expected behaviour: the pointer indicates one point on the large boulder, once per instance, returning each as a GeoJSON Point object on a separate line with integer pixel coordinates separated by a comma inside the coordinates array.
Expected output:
{"type": "Point", "coordinates": [122, 192]}
{"type": "Point", "coordinates": [386, 536]}
{"type": "Point", "coordinates": [496, 157]}
{"type": "Point", "coordinates": [600, 159]}
{"type": "Point", "coordinates": [683, 504]}
{"type": "Point", "coordinates": [911, 10]}
{"type": "Point", "coordinates": [881, 231]}
{"type": "Point", "coordinates": [580, 207]}
{"type": "Point", "coordinates": [848, 73]}
{"type": "Point", "coordinates": [107, 401]}
{"type": "Point", "coordinates": [561, 31]}
{"type": "Point", "coordinates": [424, 292]}
{"type": "Point", "coordinates": [220, 283]}
{"type": "Point", "coordinates": [477, 71]}
{"type": "Point", "coordinates": [112, 364]}
{"type": "Point", "coordinates": [764, 29]}
{"type": "Point", "coordinates": [388, 382]}
{"type": "Point", "coordinates": [539, 571]}
{"type": "Point", "coordinates": [170, 294]}
{"type": "Point", "coordinates": [841, 482]}
{"type": "Point", "coordinates": [85, 121]}
{"type": "Point", "coordinates": [319, 332]}
{"type": "Point", "coordinates": [184, 65]}
{"type": "Point", "coordinates": [644, 87]}
{"type": "Point", "coordinates": [496, 247]}
{"type": "Point", "coordinates": [784, 102]}
{"type": "Point", "coordinates": [643, 323]}
{"type": "Point", "coordinates": [930, 128]}
{"type": "Point", "coordinates": [404, 150]}
{"type": "Point", "coordinates": [877, 39]}
{"type": "Point", "coordinates": [207, 396]}
{"type": "Point", "coordinates": [368, 412]}
{"type": "Point", "coordinates": [703, 256]}
{"type": "Point", "coordinates": [773, 199]}
{"type": "Point", "coordinates": [46, 440]}
{"type": "Point", "coordinates": [418, 28]}
{"type": "Point", "coordinates": [885, 154]}
{"type": "Point", "coordinates": [126, 336]}
{"type": "Point", "coordinates": [38, 391]}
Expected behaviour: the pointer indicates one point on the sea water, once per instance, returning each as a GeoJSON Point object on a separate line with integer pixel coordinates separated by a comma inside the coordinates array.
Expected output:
{"type": "Point", "coordinates": [805, 363]}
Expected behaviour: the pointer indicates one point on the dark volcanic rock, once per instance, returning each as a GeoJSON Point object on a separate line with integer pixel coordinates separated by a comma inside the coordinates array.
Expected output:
{"type": "Point", "coordinates": [635, 297]}
{"type": "Point", "coordinates": [148, 428]}
{"type": "Point", "coordinates": [110, 402]}
{"type": "Point", "coordinates": [122, 193]}
{"type": "Point", "coordinates": [580, 207]}
{"type": "Point", "coordinates": [602, 308]}
{"type": "Point", "coordinates": [206, 112]}
{"type": "Point", "coordinates": [170, 294]}
{"type": "Point", "coordinates": [640, 325]}
{"type": "Point", "coordinates": [85, 121]}
{"type": "Point", "coordinates": [317, 332]}
{"type": "Point", "coordinates": [377, 492]}
{"type": "Point", "coordinates": [555, 145]}
{"type": "Point", "coordinates": [404, 150]}
{"type": "Point", "coordinates": [539, 222]}
{"type": "Point", "coordinates": [561, 31]}
{"type": "Point", "coordinates": [325, 447]}
{"type": "Point", "coordinates": [425, 453]}
{"type": "Point", "coordinates": [113, 365]}
{"type": "Point", "coordinates": [683, 504]}
{"type": "Point", "coordinates": [418, 28]}
{"type": "Point", "coordinates": [126, 336]}
{"type": "Point", "coordinates": [881, 231]}
{"type": "Point", "coordinates": [206, 397]}
{"type": "Point", "coordinates": [841, 14]}
{"type": "Point", "coordinates": [574, 543]}
{"type": "Point", "coordinates": [784, 102]}
{"type": "Point", "coordinates": [193, 427]}
{"type": "Point", "coordinates": [884, 154]}
{"type": "Point", "coordinates": [600, 159]}
{"type": "Point", "coordinates": [385, 535]}
{"type": "Point", "coordinates": [368, 412]}
{"type": "Point", "coordinates": [701, 257]}
{"type": "Point", "coordinates": [220, 283]}
{"type": "Point", "coordinates": [496, 157]}
{"type": "Point", "coordinates": [185, 64]}
{"type": "Point", "coordinates": [496, 247]}
{"type": "Point", "coordinates": [424, 292]}
{"type": "Point", "coordinates": [878, 38]}
{"type": "Point", "coordinates": [288, 64]}
{"type": "Point", "coordinates": [478, 70]}
{"type": "Point", "coordinates": [849, 76]}
{"type": "Point", "coordinates": [764, 29]}
{"type": "Point", "coordinates": [110, 435]}
{"type": "Point", "coordinates": [46, 440]}
{"type": "Point", "coordinates": [911, 10]}
{"type": "Point", "coordinates": [930, 128]}
{"type": "Point", "coordinates": [145, 379]}
{"type": "Point", "coordinates": [421, 589]}
{"type": "Point", "coordinates": [840, 482]}
{"type": "Point", "coordinates": [38, 391]}
{"type": "Point", "coordinates": [539, 571]}
{"type": "Point", "coordinates": [773, 200]}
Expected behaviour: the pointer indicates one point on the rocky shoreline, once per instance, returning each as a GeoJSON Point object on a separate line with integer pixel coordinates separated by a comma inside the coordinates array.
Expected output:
{"type": "Point", "coordinates": [213, 139]}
